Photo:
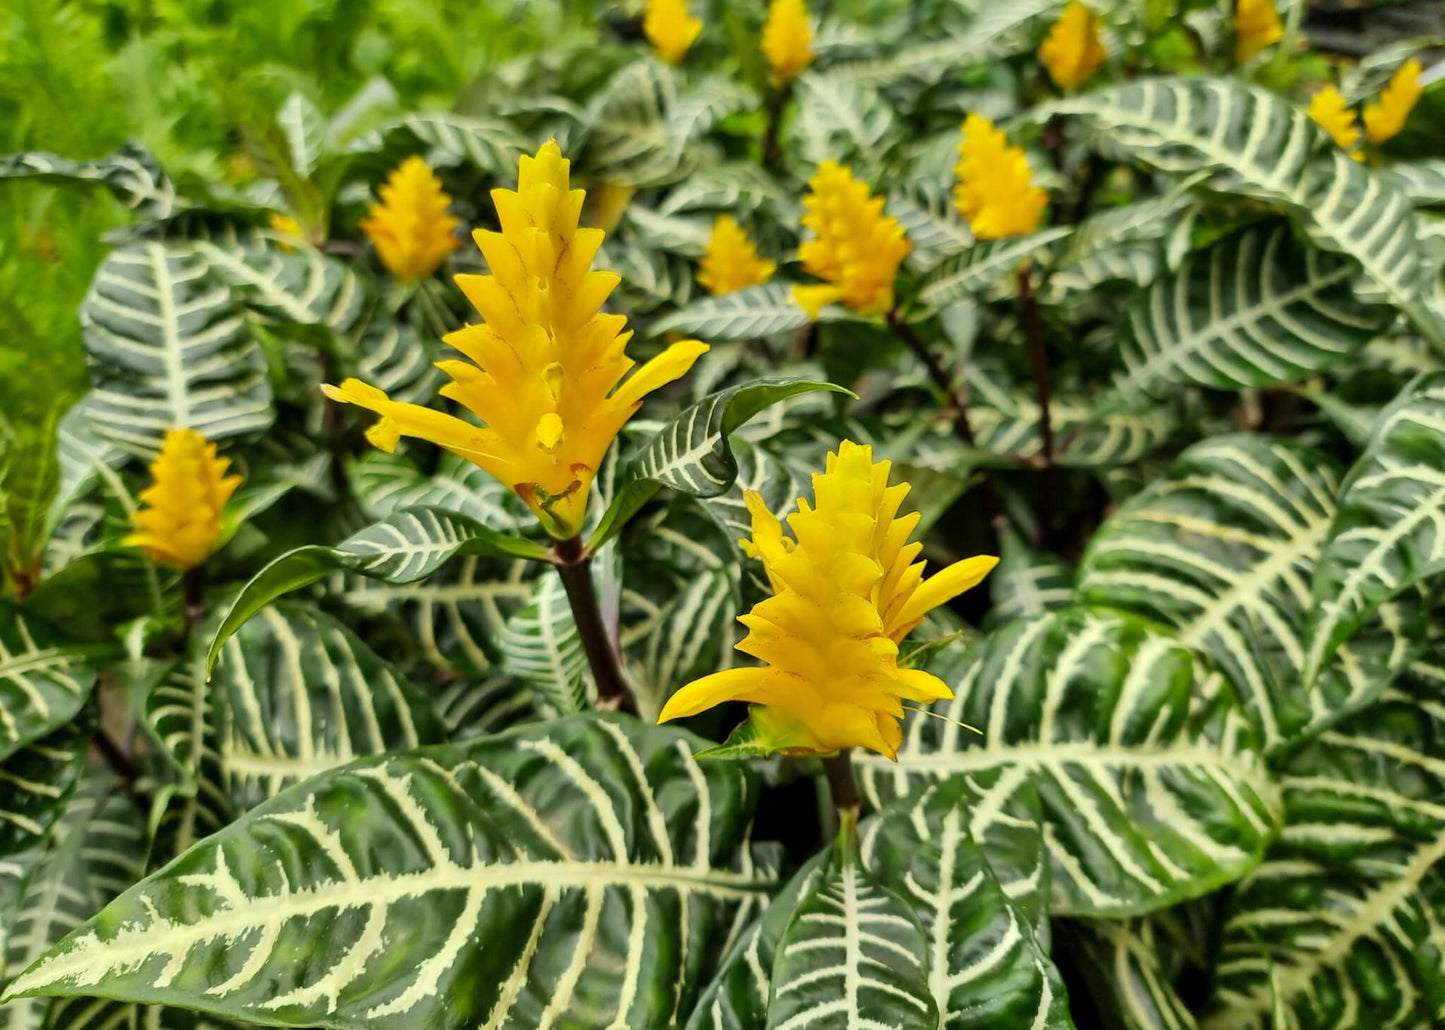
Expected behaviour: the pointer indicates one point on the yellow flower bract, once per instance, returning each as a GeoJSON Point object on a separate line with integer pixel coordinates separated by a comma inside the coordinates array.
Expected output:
{"type": "Point", "coordinates": [1331, 113]}
{"type": "Point", "coordinates": [180, 518]}
{"type": "Point", "coordinates": [846, 591]}
{"type": "Point", "coordinates": [857, 250]}
{"type": "Point", "coordinates": [1072, 52]}
{"type": "Point", "coordinates": [546, 364]}
{"type": "Point", "coordinates": [731, 262]}
{"type": "Point", "coordinates": [410, 228]}
{"type": "Point", "coordinates": [669, 28]}
{"type": "Point", "coordinates": [1386, 116]}
{"type": "Point", "coordinates": [287, 229]}
{"type": "Point", "coordinates": [787, 40]}
{"type": "Point", "coordinates": [995, 190]}
{"type": "Point", "coordinates": [1256, 26]}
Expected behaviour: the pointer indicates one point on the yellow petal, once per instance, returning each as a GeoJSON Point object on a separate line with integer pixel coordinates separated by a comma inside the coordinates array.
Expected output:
{"type": "Point", "coordinates": [943, 586]}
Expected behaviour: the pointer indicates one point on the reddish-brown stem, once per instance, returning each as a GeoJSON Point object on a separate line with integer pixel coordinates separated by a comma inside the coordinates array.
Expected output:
{"type": "Point", "coordinates": [574, 565]}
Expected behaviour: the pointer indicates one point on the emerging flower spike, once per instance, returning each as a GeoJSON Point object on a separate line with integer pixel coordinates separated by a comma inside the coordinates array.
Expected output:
{"type": "Point", "coordinates": [846, 592]}
{"type": "Point", "coordinates": [669, 28]}
{"type": "Point", "coordinates": [731, 262]}
{"type": "Point", "coordinates": [410, 228]}
{"type": "Point", "coordinates": [180, 518]}
{"type": "Point", "coordinates": [995, 190]}
{"type": "Point", "coordinates": [1072, 53]}
{"type": "Point", "coordinates": [1329, 111]}
{"type": "Point", "coordinates": [787, 40]}
{"type": "Point", "coordinates": [1256, 26]}
{"type": "Point", "coordinates": [858, 249]}
{"type": "Point", "coordinates": [546, 362]}
{"type": "Point", "coordinates": [1386, 117]}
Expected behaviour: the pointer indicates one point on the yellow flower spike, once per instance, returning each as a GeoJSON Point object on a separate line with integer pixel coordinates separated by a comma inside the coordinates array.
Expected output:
{"type": "Point", "coordinates": [669, 28]}
{"type": "Point", "coordinates": [1072, 52]}
{"type": "Point", "coordinates": [410, 228]}
{"type": "Point", "coordinates": [731, 262]}
{"type": "Point", "coordinates": [180, 518]}
{"type": "Point", "coordinates": [857, 250]}
{"type": "Point", "coordinates": [288, 229]}
{"type": "Point", "coordinates": [1386, 117]}
{"type": "Point", "coordinates": [995, 190]}
{"type": "Point", "coordinates": [847, 589]}
{"type": "Point", "coordinates": [1256, 26]}
{"type": "Point", "coordinates": [546, 365]}
{"type": "Point", "coordinates": [1331, 113]}
{"type": "Point", "coordinates": [787, 40]}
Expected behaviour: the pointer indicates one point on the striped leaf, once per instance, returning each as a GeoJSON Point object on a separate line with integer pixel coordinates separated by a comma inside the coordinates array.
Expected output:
{"type": "Point", "coordinates": [931, 221]}
{"type": "Point", "coordinates": [535, 878]}
{"type": "Point", "coordinates": [1389, 532]}
{"type": "Point", "coordinates": [736, 187]}
{"type": "Point", "coordinates": [1027, 582]}
{"type": "Point", "coordinates": [1222, 550]}
{"type": "Point", "coordinates": [477, 706]}
{"type": "Point", "coordinates": [854, 957]}
{"type": "Point", "coordinates": [541, 648]}
{"type": "Point", "coordinates": [1125, 976]}
{"type": "Point", "coordinates": [491, 146]}
{"type": "Point", "coordinates": [691, 454]}
{"type": "Point", "coordinates": [36, 784]}
{"type": "Point", "coordinates": [131, 174]}
{"type": "Point", "coordinates": [1258, 144]}
{"type": "Point", "coordinates": [988, 268]}
{"type": "Point", "coordinates": [840, 120]}
{"type": "Point", "coordinates": [386, 483]}
{"type": "Point", "coordinates": [303, 694]}
{"type": "Point", "coordinates": [742, 315]}
{"type": "Point", "coordinates": [1253, 310]}
{"type": "Point", "coordinates": [1149, 787]}
{"type": "Point", "coordinates": [168, 346]}
{"type": "Point", "coordinates": [44, 679]}
{"type": "Point", "coordinates": [404, 548]}
{"type": "Point", "coordinates": [1422, 181]}
{"type": "Point", "coordinates": [302, 288]}
{"type": "Point", "coordinates": [985, 967]}
{"type": "Point", "coordinates": [395, 357]}
{"type": "Point", "coordinates": [1339, 928]}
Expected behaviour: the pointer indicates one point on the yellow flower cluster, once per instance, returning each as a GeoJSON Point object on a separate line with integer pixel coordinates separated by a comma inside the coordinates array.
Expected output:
{"type": "Point", "coordinates": [1330, 112]}
{"type": "Point", "coordinates": [545, 362]}
{"type": "Point", "coordinates": [1386, 116]}
{"type": "Point", "coordinates": [180, 518]}
{"type": "Point", "coordinates": [288, 231]}
{"type": "Point", "coordinates": [410, 228]}
{"type": "Point", "coordinates": [731, 262]}
{"type": "Point", "coordinates": [857, 248]}
{"type": "Point", "coordinates": [669, 28]}
{"type": "Point", "coordinates": [1072, 52]}
{"type": "Point", "coordinates": [1256, 26]}
{"type": "Point", "coordinates": [846, 591]}
{"type": "Point", "coordinates": [995, 190]}
{"type": "Point", "coordinates": [787, 40]}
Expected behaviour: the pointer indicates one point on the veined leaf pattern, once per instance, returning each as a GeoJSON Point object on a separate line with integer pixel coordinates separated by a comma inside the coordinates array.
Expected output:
{"type": "Point", "coordinates": [44, 679]}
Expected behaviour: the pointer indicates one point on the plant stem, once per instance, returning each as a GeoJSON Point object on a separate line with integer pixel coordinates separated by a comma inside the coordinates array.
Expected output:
{"type": "Point", "coordinates": [574, 565]}
{"type": "Point", "coordinates": [842, 786]}
{"type": "Point", "coordinates": [193, 586]}
{"type": "Point", "coordinates": [1038, 358]}
{"type": "Point", "coordinates": [957, 396]}
{"type": "Point", "coordinates": [777, 100]}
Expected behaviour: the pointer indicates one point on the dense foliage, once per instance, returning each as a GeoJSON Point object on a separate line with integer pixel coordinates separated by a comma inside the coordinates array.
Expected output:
{"type": "Point", "coordinates": [315, 718]}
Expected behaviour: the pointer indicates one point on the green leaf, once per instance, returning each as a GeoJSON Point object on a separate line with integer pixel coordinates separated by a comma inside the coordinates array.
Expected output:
{"type": "Point", "coordinates": [1125, 976]}
{"type": "Point", "coordinates": [44, 679]}
{"type": "Point", "coordinates": [1389, 532]}
{"type": "Point", "coordinates": [1338, 926]}
{"type": "Point", "coordinates": [131, 174]}
{"type": "Point", "coordinates": [168, 347]}
{"type": "Point", "coordinates": [987, 268]}
{"type": "Point", "coordinates": [490, 146]}
{"type": "Point", "coordinates": [386, 483]}
{"type": "Point", "coordinates": [691, 454]}
{"type": "Point", "coordinates": [1422, 181]}
{"type": "Point", "coordinates": [844, 121]}
{"type": "Point", "coordinates": [1256, 309]}
{"type": "Point", "coordinates": [302, 288]}
{"type": "Point", "coordinates": [1222, 550]}
{"type": "Point", "coordinates": [304, 129]}
{"type": "Point", "coordinates": [1150, 788]}
{"type": "Point", "coordinates": [1027, 582]}
{"type": "Point", "coordinates": [406, 547]}
{"type": "Point", "coordinates": [579, 841]}
{"type": "Point", "coordinates": [36, 784]}
{"type": "Point", "coordinates": [541, 647]}
{"type": "Point", "coordinates": [741, 315]}
{"type": "Point", "coordinates": [303, 694]}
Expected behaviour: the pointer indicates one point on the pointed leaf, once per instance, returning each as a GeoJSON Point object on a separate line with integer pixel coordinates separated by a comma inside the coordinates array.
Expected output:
{"type": "Point", "coordinates": [741, 315]}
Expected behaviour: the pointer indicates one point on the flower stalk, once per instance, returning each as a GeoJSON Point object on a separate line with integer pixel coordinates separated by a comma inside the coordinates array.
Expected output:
{"type": "Point", "coordinates": [957, 395]}
{"type": "Point", "coordinates": [574, 565]}
{"type": "Point", "coordinates": [843, 786]}
{"type": "Point", "coordinates": [1038, 359]}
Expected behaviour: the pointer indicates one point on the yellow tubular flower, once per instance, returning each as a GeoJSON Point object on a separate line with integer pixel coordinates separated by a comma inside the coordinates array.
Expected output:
{"type": "Point", "coordinates": [1386, 117]}
{"type": "Point", "coordinates": [731, 262]}
{"type": "Point", "coordinates": [181, 515]}
{"type": "Point", "coordinates": [787, 40]}
{"type": "Point", "coordinates": [410, 228]}
{"type": "Point", "coordinates": [669, 28]}
{"type": "Point", "coordinates": [858, 249]}
{"type": "Point", "coordinates": [846, 591]}
{"type": "Point", "coordinates": [1256, 26]}
{"type": "Point", "coordinates": [546, 362]}
{"type": "Point", "coordinates": [1073, 53]}
{"type": "Point", "coordinates": [1330, 112]}
{"type": "Point", "coordinates": [995, 190]}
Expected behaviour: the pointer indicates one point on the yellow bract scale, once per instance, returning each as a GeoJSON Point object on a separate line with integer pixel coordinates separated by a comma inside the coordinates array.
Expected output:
{"type": "Point", "coordinates": [1331, 113]}
{"type": "Point", "coordinates": [787, 40]}
{"type": "Point", "coordinates": [995, 190]}
{"type": "Point", "coordinates": [1386, 116]}
{"type": "Point", "coordinates": [1256, 26]}
{"type": "Point", "coordinates": [731, 262]}
{"type": "Point", "coordinates": [847, 589]}
{"type": "Point", "coordinates": [410, 228]}
{"type": "Point", "coordinates": [669, 28]}
{"type": "Point", "coordinates": [857, 248]}
{"type": "Point", "coordinates": [1072, 52]}
{"type": "Point", "coordinates": [179, 519]}
{"type": "Point", "coordinates": [544, 369]}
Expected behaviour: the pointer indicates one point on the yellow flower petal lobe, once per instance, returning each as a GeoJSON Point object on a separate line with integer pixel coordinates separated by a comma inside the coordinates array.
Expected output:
{"type": "Point", "coordinates": [1385, 117]}
{"type": "Point", "coordinates": [179, 520]}
{"type": "Point", "coordinates": [731, 262]}
{"type": "Point", "coordinates": [669, 28]}
{"type": "Point", "coordinates": [1331, 113]}
{"type": "Point", "coordinates": [787, 39]}
{"type": "Point", "coordinates": [1256, 26]}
